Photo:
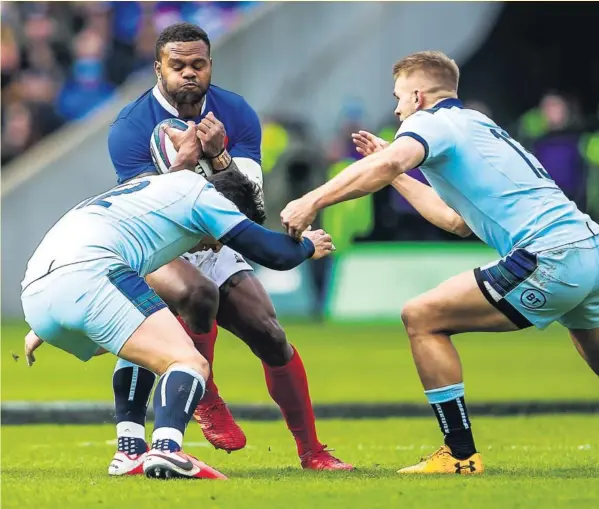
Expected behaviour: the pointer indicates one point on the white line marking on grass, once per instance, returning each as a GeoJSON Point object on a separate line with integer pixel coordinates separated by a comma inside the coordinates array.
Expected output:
{"type": "Point", "coordinates": [114, 442]}
{"type": "Point", "coordinates": [519, 447]}
{"type": "Point", "coordinates": [362, 447]}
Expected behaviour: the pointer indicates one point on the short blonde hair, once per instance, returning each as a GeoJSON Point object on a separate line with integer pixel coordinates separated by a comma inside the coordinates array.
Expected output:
{"type": "Point", "coordinates": [435, 64]}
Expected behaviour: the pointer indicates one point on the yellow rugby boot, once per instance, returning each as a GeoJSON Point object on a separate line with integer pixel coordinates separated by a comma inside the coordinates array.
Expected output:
{"type": "Point", "coordinates": [442, 462]}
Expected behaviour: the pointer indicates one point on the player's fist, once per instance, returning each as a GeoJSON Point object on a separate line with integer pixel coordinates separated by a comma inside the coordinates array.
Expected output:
{"type": "Point", "coordinates": [367, 143]}
{"type": "Point", "coordinates": [211, 133]}
{"type": "Point", "coordinates": [189, 150]}
{"type": "Point", "coordinates": [323, 244]}
{"type": "Point", "coordinates": [297, 216]}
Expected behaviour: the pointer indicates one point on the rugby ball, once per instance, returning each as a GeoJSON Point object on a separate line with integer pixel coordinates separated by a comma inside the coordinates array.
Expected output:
{"type": "Point", "coordinates": [164, 153]}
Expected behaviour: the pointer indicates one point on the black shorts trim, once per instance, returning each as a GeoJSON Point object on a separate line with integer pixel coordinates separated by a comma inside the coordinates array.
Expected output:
{"type": "Point", "coordinates": [517, 318]}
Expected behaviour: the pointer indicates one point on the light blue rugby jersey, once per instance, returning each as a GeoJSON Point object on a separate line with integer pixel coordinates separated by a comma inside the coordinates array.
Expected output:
{"type": "Point", "coordinates": [144, 223]}
{"type": "Point", "coordinates": [502, 191]}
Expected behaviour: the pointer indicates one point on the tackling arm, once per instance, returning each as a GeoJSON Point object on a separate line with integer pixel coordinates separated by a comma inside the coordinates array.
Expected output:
{"type": "Point", "coordinates": [271, 249]}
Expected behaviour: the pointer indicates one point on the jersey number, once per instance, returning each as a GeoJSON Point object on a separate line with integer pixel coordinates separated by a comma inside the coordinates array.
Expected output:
{"type": "Point", "coordinates": [124, 189]}
{"type": "Point", "coordinates": [539, 171]}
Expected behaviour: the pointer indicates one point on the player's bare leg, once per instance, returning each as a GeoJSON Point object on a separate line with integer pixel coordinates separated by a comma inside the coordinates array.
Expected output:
{"type": "Point", "coordinates": [195, 298]}
{"type": "Point", "coordinates": [161, 346]}
{"type": "Point", "coordinates": [455, 306]}
{"type": "Point", "coordinates": [587, 344]}
{"type": "Point", "coordinates": [247, 311]}
{"type": "Point", "coordinates": [188, 292]}
{"type": "Point", "coordinates": [183, 287]}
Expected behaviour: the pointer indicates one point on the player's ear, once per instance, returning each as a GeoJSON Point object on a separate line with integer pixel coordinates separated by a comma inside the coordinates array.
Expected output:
{"type": "Point", "coordinates": [418, 99]}
{"type": "Point", "coordinates": [157, 69]}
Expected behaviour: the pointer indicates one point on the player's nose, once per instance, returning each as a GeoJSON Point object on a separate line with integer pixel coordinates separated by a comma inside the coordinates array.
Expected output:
{"type": "Point", "coordinates": [188, 73]}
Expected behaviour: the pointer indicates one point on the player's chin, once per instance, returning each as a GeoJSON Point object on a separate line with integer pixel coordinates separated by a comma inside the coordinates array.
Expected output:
{"type": "Point", "coordinates": [190, 95]}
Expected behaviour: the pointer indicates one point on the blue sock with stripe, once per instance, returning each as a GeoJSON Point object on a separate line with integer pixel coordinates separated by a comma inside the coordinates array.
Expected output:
{"type": "Point", "coordinates": [176, 396]}
{"type": "Point", "coordinates": [132, 386]}
{"type": "Point", "coordinates": [452, 414]}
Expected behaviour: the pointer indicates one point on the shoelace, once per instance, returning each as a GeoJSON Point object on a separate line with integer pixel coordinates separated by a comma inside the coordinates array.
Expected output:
{"type": "Point", "coordinates": [323, 449]}
{"type": "Point", "coordinates": [214, 408]}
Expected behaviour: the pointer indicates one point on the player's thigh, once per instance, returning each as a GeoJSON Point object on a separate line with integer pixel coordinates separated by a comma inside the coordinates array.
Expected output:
{"type": "Point", "coordinates": [160, 342]}
{"type": "Point", "coordinates": [553, 285]}
{"type": "Point", "coordinates": [456, 305]}
{"type": "Point", "coordinates": [585, 315]}
{"type": "Point", "coordinates": [247, 311]}
{"type": "Point", "coordinates": [135, 324]}
{"type": "Point", "coordinates": [179, 282]}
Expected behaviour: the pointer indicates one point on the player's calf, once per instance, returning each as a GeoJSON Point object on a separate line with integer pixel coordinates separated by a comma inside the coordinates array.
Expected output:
{"type": "Point", "coordinates": [132, 387]}
{"type": "Point", "coordinates": [161, 345]}
{"type": "Point", "coordinates": [456, 305]}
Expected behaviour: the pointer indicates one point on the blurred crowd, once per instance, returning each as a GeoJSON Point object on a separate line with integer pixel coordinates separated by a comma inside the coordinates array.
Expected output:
{"type": "Point", "coordinates": [62, 60]}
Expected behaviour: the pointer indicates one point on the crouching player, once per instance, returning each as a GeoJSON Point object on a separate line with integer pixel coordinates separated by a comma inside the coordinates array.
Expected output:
{"type": "Point", "coordinates": [84, 291]}
{"type": "Point", "coordinates": [483, 181]}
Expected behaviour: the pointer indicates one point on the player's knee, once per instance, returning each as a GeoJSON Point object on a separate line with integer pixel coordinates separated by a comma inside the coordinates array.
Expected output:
{"type": "Point", "coordinates": [188, 358]}
{"type": "Point", "coordinates": [270, 343]}
{"type": "Point", "coordinates": [414, 317]}
{"type": "Point", "coordinates": [199, 304]}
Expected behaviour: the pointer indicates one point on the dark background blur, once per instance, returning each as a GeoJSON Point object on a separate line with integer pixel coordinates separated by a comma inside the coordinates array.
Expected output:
{"type": "Point", "coordinates": [533, 68]}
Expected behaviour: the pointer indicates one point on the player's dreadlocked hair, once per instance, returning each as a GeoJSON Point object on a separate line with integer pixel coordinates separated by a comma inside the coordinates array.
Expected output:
{"type": "Point", "coordinates": [180, 32]}
{"type": "Point", "coordinates": [246, 195]}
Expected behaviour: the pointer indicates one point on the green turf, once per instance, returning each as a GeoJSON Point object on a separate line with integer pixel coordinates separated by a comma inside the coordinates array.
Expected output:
{"type": "Point", "coordinates": [531, 463]}
{"type": "Point", "coordinates": [344, 363]}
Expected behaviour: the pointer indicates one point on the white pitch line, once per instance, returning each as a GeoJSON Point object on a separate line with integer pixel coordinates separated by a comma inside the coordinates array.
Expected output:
{"type": "Point", "coordinates": [114, 442]}
{"type": "Point", "coordinates": [362, 447]}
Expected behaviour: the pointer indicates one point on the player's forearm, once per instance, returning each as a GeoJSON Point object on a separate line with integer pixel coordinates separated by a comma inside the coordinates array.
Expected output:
{"type": "Point", "coordinates": [430, 206]}
{"type": "Point", "coordinates": [271, 249]}
{"type": "Point", "coordinates": [363, 177]}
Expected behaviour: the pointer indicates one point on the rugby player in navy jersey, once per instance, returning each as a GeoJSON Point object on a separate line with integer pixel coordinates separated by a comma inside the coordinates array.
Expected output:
{"type": "Point", "coordinates": [206, 286]}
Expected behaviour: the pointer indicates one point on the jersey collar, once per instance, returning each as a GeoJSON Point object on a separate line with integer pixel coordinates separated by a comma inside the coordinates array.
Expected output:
{"type": "Point", "coordinates": [451, 102]}
{"type": "Point", "coordinates": [168, 106]}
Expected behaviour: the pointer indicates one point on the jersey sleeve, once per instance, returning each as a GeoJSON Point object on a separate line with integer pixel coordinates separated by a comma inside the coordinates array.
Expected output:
{"type": "Point", "coordinates": [247, 142]}
{"type": "Point", "coordinates": [214, 214]}
{"type": "Point", "coordinates": [430, 130]}
{"type": "Point", "coordinates": [129, 149]}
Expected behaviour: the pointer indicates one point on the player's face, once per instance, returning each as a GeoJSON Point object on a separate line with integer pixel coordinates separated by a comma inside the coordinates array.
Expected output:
{"type": "Point", "coordinates": [408, 97]}
{"type": "Point", "coordinates": [185, 70]}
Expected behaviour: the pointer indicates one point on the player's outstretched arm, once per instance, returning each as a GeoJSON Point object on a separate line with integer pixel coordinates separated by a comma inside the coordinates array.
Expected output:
{"type": "Point", "coordinates": [363, 177]}
{"type": "Point", "coordinates": [274, 250]}
{"type": "Point", "coordinates": [430, 205]}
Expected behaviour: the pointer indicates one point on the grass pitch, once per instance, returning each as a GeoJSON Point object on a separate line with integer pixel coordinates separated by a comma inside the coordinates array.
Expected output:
{"type": "Point", "coordinates": [531, 463]}
{"type": "Point", "coordinates": [358, 363]}
{"type": "Point", "coordinates": [535, 462]}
